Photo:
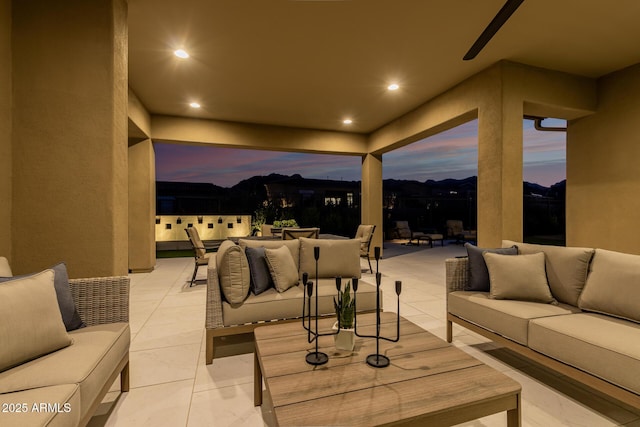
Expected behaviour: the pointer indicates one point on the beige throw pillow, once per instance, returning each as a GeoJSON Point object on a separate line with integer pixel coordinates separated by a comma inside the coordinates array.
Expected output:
{"type": "Point", "coordinates": [613, 285]}
{"type": "Point", "coordinates": [233, 271]}
{"type": "Point", "coordinates": [30, 320]}
{"type": "Point", "coordinates": [283, 270]}
{"type": "Point", "coordinates": [518, 277]}
{"type": "Point", "coordinates": [567, 268]}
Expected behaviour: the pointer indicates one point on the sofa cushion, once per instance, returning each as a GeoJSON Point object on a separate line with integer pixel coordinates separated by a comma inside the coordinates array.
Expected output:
{"type": "Point", "coordinates": [508, 318]}
{"type": "Point", "coordinates": [233, 270]}
{"type": "Point", "coordinates": [30, 320]}
{"type": "Point", "coordinates": [258, 270]}
{"type": "Point", "coordinates": [274, 305]}
{"type": "Point", "coordinates": [603, 346]}
{"type": "Point", "coordinates": [89, 361]}
{"type": "Point", "coordinates": [613, 285]}
{"type": "Point", "coordinates": [338, 257]}
{"type": "Point", "coordinates": [520, 277]}
{"type": "Point", "coordinates": [67, 306]}
{"type": "Point", "coordinates": [5, 269]}
{"type": "Point", "coordinates": [282, 267]}
{"type": "Point", "coordinates": [478, 273]}
{"type": "Point", "coordinates": [292, 245]}
{"type": "Point", "coordinates": [62, 410]}
{"type": "Point", "coordinates": [567, 268]}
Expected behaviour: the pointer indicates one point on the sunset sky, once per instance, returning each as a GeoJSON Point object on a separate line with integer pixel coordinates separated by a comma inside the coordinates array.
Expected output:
{"type": "Point", "coordinates": [451, 154]}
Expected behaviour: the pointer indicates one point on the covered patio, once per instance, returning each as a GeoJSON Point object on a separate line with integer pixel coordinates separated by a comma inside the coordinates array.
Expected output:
{"type": "Point", "coordinates": [171, 385]}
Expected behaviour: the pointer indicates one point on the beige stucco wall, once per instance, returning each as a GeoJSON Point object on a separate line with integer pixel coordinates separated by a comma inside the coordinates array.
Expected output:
{"type": "Point", "coordinates": [142, 206]}
{"type": "Point", "coordinates": [498, 97]}
{"type": "Point", "coordinates": [5, 129]}
{"type": "Point", "coordinates": [603, 178]}
{"type": "Point", "coordinates": [371, 210]}
{"type": "Point", "coordinates": [261, 137]}
{"type": "Point", "coordinates": [70, 136]}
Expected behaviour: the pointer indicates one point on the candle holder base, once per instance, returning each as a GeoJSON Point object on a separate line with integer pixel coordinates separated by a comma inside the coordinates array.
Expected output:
{"type": "Point", "coordinates": [317, 358]}
{"type": "Point", "coordinates": [377, 360]}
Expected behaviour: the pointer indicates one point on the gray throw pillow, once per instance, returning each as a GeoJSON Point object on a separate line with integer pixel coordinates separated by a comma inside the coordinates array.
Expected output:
{"type": "Point", "coordinates": [478, 272]}
{"type": "Point", "coordinates": [258, 270]}
{"type": "Point", "coordinates": [67, 306]}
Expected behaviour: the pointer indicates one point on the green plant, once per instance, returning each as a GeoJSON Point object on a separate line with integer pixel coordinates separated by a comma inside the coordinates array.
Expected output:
{"type": "Point", "coordinates": [285, 223]}
{"type": "Point", "coordinates": [345, 309]}
{"type": "Point", "coordinates": [258, 220]}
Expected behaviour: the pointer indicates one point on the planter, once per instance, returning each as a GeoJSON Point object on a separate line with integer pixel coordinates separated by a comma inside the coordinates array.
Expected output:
{"type": "Point", "coordinates": [345, 339]}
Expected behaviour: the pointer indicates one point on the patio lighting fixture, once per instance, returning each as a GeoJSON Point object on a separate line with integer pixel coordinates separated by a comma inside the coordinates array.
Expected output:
{"type": "Point", "coordinates": [393, 86]}
{"type": "Point", "coordinates": [181, 53]}
{"type": "Point", "coordinates": [194, 105]}
{"type": "Point", "coordinates": [347, 121]}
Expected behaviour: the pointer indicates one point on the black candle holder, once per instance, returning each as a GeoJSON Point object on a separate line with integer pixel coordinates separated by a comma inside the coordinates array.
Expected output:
{"type": "Point", "coordinates": [377, 360]}
{"type": "Point", "coordinates": [317, 357]}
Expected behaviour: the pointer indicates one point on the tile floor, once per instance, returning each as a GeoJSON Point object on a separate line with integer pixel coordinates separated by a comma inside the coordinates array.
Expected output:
{"type": "Point", "coordinates": [171, 385]}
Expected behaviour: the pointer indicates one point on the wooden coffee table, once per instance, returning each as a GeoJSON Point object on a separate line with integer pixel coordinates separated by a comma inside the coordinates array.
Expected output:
{"type": "Point", "coordinates": [429, 381]}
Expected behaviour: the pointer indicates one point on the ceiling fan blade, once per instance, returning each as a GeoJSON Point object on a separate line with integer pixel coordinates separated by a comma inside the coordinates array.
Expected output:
{"type": "Point", "coordinates": [498, 21]}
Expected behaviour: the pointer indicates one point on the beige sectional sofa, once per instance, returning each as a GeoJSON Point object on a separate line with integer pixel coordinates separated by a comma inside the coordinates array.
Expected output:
{"type": "Point", "coordinates": [51, 377]}
{"type": "Point", "coordinates": [232, 308]}
{"type": "Point", "coordinates": [591, 329]}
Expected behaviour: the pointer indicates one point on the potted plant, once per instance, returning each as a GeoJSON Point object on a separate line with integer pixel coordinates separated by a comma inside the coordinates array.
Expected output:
{"type": "Point", "coordinates": [345, 311]}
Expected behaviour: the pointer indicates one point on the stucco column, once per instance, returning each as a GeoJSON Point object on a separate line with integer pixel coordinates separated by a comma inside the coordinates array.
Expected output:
{"type": "Point", "coordinates": [142, 207]}
{"type": "Point", "coordinates": [5, 129]}
{"type": "Point", "coordinates": [372, 196]}
{"type": "Point", "coordinates": [499, 171]}
{"type": "Point", "coordinates": [70, 171]}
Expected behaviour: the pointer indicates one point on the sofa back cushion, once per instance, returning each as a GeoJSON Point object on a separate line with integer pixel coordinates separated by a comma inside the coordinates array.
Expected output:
{"type": "Point", "coordinates": [30, 321]}
{"type": "Point", "coordinates": [233, 272]}
{"type": "Point", "coordinates": [613, 285]}
{"type": "Point", "coordinates": [292, 245]}
{"type": "Point", "coordinates": [567, 268]}
{"type": "Point", "coordinates": [5, 269]}
{"type": "Point", "coordinates": [337, 258]}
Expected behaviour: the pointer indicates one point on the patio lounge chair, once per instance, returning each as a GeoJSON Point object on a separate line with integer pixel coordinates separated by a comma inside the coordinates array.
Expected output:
{"type": "Point", "coordinates": [201, 257]}
{"type": "Point", "coordinates": [365, 234]}
{"type": "Point", "coordinates": [294, 233]}
{"type": "Point", "coordinates": [455, 229]}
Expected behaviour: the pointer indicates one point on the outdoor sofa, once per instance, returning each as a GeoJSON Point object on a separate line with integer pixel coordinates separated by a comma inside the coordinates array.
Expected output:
{"type": "Point", "coordinates": [233, 308]}
{"type": "Point", "coordinates": [586, 325]}
{"type": "Point", "coordinates": [51, 375]}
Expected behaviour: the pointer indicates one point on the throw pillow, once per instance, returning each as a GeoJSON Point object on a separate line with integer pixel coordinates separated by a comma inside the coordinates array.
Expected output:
{"type": "Point", "coordinates": [478, 273]}
{"type": "Point", "coordinates": [612, 286]}
{"type": "Point", "coordinates": [258, 270]}
{"type": "Point", "coordinates": [66, 304]}
{"type": "Point", "coordinates": [30, 322]}
{"type": "Point", "coordinates": [520, 277]}
{"type": "Point", "coordinates": [5, 269]}
{"type": "Point", "coordinates": [567, 268]}
{"type": "Point", "coordinates": [283, 269]}
{"type": "Point", "coordinates": [233, 271]}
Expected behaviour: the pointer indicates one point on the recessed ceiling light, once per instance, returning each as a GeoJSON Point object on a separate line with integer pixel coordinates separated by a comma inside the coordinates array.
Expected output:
{"type": "Point", "coordinates": [194, 105]}
{"type": "Point", "coordinates": [347, 121]}
{"type": "Point", "coordinates": [393, 86]}
{"type": "Point", "coordinates": [181, 53]}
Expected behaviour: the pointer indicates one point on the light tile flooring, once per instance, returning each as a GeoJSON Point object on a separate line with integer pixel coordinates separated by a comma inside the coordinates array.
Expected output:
{"type": "Point", "coordinates": [171, 385]}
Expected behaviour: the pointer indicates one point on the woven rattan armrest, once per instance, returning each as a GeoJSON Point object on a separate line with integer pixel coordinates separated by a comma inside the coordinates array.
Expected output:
{"type": "Point", "coordinates": [213, 318]}
{"type": "Point", "coordinates": [457, 273]}
{"type": "Point", "coordinates": [101, 300]}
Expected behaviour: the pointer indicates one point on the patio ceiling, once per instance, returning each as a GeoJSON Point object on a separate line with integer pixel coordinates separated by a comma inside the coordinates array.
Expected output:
{"type": "Point", "coordinates": [313, 63]}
